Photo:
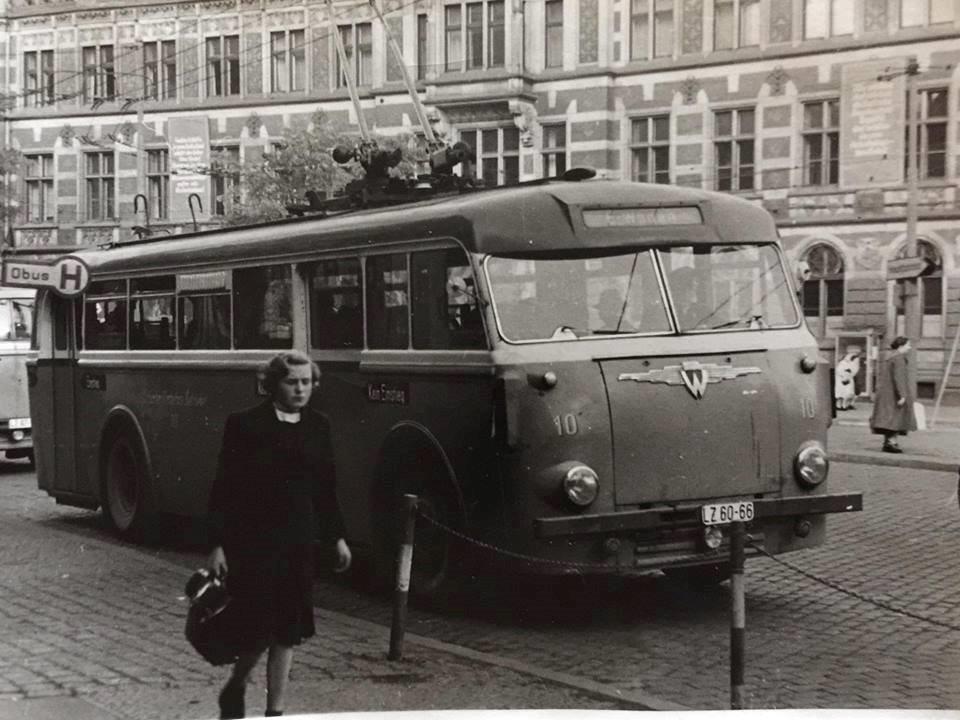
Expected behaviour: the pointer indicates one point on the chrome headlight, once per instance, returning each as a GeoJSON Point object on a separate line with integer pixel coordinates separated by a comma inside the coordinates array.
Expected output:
{"type": "Point", "coordinates": [811, 464]}
{"type": "Point", "coordinates": [580, 485]}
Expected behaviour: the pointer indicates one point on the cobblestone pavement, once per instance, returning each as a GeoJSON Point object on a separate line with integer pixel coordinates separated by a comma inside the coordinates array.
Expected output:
{"type": "Point", "coordinates": [90, 628]}
{"type": "Point", "coordinates": [108, 612]}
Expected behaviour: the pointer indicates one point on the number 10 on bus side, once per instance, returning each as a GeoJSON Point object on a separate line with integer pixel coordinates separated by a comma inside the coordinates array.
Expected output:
{"type": "Point", "coordinates": [722, 513]}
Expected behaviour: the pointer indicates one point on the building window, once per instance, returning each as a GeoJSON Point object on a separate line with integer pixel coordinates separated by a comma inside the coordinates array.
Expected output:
{"type": "Point", "coordinates": [736, 23]}
{"type": "Point", "coordinates": [918, 13]}
{"type": "Point", "coordinates": [828, 18]}
{"type": "Point", "coordinates": [223, 65]}
{"type": "Point", "coordinates": [160, 70]}
{"type": "Point", "coordinates": [287, 61]}
{"type": "Point", "coordinates": [38, 78]}
{"type": "Point", "coordinates": [100, 181]}
{"type": "Point", "coordinates": [422, 56]}
{"type": "Point", "coordinates": [931, 291]}
{"type": "Point", "coordinates": [357, 43]}
{"type": "Point", "coordinates": [482, 36]}
{"type": "Point", "coordinates": [99, 77]}
{"type": "Point", "coordinates": [225, 175]}
{"type": "Point", "coordinates": [734, 149]}
{"type": "Point", "coordinates": [40, 201]}
{"type": "Point", "coordinates": [651, 29]}
{"type": "Point", "coordinates": [821, 142]}
{"type": "Point", "coordinates": [932, 134]}
{"type": "Point", "coordinates": [498, 153]}
{"type": "Point", "coordinates": [158, 184]}
{"type": "Point", "coordinates": [554, 150]}
{"type": "Point", "coordinates": [554, 33]}
{"type": "Point", "coordinates": [822, 291]}
{"type": "Point", "coordinates": [650, 149]}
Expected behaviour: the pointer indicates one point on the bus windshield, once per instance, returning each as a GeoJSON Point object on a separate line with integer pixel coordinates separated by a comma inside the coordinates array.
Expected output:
{"type": "Point", "coordinates": [707, 288]}
{"type": "Point", "coordinates": [16, 318]}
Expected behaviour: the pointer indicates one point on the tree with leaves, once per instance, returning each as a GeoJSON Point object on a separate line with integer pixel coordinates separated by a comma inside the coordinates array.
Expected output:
{"type": "Point", "coordinates": [265, 186]}
{"type": "Point", "coordinates": [10, 161]}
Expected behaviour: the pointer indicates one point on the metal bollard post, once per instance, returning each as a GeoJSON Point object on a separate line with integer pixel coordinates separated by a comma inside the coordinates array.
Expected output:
{"type": "Point", "coordinates": [738, 616]}
{"type": "Point", "coordinates": [404, 565]}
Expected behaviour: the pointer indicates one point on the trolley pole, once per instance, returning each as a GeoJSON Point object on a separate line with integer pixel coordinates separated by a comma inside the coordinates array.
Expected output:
{"type": "Point", "coordinates": [738, 616]}
{"type": "Point", "coordinates": [404, 565]}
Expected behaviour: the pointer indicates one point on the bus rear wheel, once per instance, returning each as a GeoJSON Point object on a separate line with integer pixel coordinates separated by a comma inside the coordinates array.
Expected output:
{"type": "Point", "coordinates": [125, 487]}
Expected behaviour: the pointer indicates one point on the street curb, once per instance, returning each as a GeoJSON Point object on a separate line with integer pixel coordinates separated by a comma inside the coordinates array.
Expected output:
{"type": "Point", "coordinates": [641, 699]}
{"type": "Point", "coordinates": [913, 463]}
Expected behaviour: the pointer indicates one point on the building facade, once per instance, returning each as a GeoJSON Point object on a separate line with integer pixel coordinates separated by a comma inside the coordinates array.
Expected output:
{"type": "Point", "coordinates": [799, 105]}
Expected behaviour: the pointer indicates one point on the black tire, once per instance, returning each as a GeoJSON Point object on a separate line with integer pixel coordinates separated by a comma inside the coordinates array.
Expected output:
{"type": "Point", "coordinates": [124, 487]}
{"type": "Point", "coordinates": [700, 576]}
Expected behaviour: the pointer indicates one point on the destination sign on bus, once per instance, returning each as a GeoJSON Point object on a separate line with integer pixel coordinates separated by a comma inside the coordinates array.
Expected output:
{"type": "Point", "coordinates": [67, 276]}
{"type": "Point", "coordinates": [641, 216]}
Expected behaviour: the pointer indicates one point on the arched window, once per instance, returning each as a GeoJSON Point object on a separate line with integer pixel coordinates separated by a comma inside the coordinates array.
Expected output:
{"type": "Point", "coordinates": [823, 289]}
{"type": "Point", "coordinates": [931, 291]}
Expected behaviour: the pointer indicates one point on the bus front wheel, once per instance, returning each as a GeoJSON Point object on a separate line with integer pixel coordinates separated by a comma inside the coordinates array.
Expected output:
{"type": "Point", "coordinates": [125, 487]}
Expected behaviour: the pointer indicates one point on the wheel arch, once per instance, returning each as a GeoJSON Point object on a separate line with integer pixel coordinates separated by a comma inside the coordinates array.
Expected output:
{"type": "Point", "coordinates": [121, 419]}
{"type": "Point", "coordinates": [408, 438]}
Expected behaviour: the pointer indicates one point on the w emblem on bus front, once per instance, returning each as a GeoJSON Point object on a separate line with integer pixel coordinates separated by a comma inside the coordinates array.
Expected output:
{"type": "Point", "coordinates": [693, 375]}
{"type": "Point", "coordinates": [695, 380]}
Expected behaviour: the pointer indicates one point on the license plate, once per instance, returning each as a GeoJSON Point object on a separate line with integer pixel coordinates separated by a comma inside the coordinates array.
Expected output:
{"type": "Point", "coordinates": [723, 513]}
{"type": "Point", "coordinates": [19, 423]}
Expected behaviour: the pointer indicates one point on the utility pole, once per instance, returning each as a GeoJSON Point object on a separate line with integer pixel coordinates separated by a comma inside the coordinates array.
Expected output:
{"type": "Point", "coordinates": [912, 318]}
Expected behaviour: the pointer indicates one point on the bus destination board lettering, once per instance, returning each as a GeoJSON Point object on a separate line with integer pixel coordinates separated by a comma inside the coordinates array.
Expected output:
{"type": "Point", "coordinates": [390, 393]}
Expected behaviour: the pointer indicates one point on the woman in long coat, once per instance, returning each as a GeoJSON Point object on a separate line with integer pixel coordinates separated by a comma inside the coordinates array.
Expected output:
{"type": "Point", "coordinates": [273, 495]}
{"type": "Point", "coordinates": [893, 408]}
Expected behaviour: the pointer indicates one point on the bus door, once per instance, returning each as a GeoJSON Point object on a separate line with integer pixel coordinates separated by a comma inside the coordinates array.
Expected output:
{"type": "Point", "coordinates": [54, 405]}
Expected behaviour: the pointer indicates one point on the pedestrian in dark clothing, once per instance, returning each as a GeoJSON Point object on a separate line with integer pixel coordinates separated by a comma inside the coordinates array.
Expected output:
{"type": "Point", "coordinates": [273, 495]}
{"type": "Point", "coordinates": [893, 408]}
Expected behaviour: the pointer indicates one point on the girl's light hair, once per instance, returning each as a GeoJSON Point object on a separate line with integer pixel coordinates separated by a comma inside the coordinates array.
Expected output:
{"type": "Point", "coordinates": [278, 367]}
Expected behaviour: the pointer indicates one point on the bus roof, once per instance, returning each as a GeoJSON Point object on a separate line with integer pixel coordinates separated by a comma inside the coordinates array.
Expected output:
{"type": "Point", "coordinates": [528, 220]}
{"type": "Point", "coordinates": [16, 292]}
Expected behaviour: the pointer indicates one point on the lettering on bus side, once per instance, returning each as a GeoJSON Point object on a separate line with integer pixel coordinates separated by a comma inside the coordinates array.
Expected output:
{"type": "Point", "coordinates": [390, 393]}
{"type": "Point", "coordinates": [93, 381]}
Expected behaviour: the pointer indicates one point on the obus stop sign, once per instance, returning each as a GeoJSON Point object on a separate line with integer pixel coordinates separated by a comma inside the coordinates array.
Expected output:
{"type": "Point", "coordinates": [67, 276]}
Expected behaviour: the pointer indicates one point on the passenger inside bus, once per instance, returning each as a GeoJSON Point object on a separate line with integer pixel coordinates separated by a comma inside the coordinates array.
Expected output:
{"type": "Point", "coordinates": [610, 309]}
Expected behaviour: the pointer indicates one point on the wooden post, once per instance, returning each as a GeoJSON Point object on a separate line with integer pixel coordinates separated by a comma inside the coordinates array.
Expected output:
{"type": "Point", "coordinates": [404, 565]}
{"type": "Point", "coordinates": [738, 615]}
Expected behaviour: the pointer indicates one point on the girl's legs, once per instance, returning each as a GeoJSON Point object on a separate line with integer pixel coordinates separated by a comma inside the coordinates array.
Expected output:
{"type": "Point", "coordinates": [232, 696]}
{"type": "Point", "coordinates": [279, 660]}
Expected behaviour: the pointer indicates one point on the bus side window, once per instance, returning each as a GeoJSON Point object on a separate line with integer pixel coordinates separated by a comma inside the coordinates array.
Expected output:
{"type": "Point", "coordinates": [262, 307]}
{"type": "Point", "coordinates": [336, 304]}
{"type": "Point", "coordinates": [387, 301]}
{"type": "Point", "coordinates": [204, 321]}
{"type": "Point", "coordinates": [446, 312]}
{"type": "Point", "coordinates": [152, 321]}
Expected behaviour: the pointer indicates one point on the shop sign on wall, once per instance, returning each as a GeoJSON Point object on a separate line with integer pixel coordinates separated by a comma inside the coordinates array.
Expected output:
{"type": "Point", "coordinates": [872, 123]}
{"type": "Point", "coordinates": [189, 139]}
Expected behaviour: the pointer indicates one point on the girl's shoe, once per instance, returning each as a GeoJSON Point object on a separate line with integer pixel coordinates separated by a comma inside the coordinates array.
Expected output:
{"type": "Point", "coordinates": [892, 448]}
{"type": "Point", "coordinates": [231, 701]}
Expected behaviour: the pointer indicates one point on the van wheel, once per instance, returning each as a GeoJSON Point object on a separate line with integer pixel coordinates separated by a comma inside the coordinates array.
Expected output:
{"type": "Point", "coordinates": [700, 576]}
{"type": "Point", "coordinates": [125, 488]}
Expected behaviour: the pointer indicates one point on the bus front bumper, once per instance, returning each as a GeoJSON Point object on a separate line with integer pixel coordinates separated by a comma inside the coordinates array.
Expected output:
{"type": "Point", "coordinates": [688, 513]}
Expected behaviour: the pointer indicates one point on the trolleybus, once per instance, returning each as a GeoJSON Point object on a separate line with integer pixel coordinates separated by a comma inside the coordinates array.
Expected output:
{"type": "Point", "coordinates": [16, 323]}
{"type": "Point", "coordinates": [598, 373]}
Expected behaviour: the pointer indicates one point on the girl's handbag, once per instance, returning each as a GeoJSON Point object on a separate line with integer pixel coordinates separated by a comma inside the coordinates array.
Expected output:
{"type": "Point", "coordinates": [211, 620]}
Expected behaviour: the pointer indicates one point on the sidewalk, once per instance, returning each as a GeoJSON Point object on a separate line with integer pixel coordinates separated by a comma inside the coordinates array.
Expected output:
{"type": "Point", "coordinates": [936, 448]}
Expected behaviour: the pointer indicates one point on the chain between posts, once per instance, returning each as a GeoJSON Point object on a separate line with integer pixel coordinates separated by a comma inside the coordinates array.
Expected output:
{"type": "Point", "coordinates": [852, 593]}
{"type": "Point", "coordinates": [750, 543]}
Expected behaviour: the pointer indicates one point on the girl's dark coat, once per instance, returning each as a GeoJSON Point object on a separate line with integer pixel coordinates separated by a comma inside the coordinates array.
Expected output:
{"type": "Point", "coordinates": [274, 494]}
